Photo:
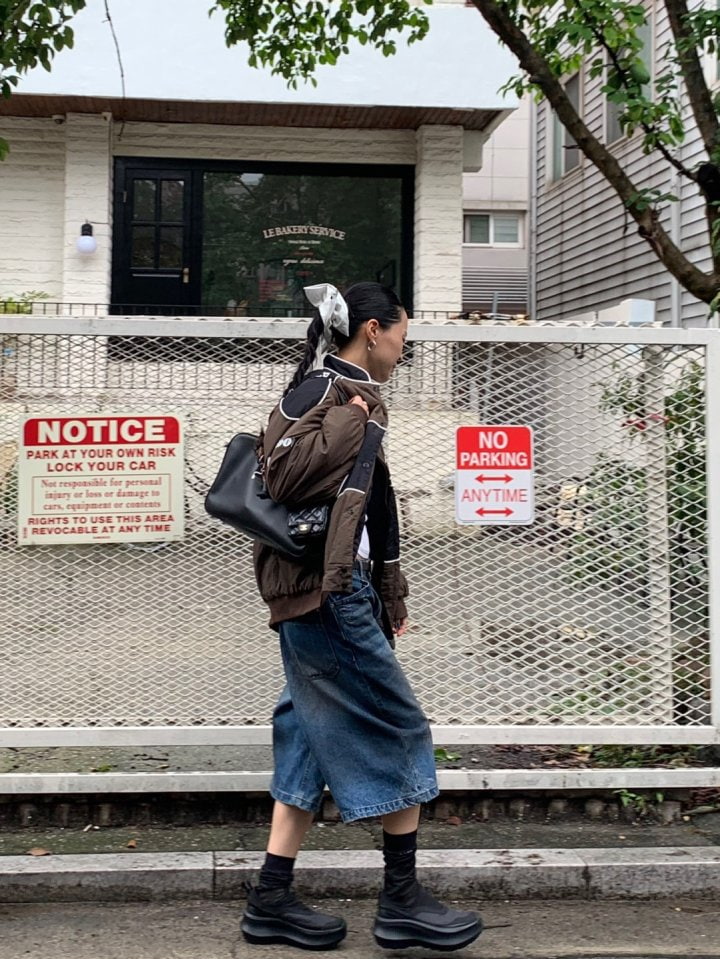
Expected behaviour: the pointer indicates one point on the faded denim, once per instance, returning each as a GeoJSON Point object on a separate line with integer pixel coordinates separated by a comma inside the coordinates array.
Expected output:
{"type": "Point", "coordinates": [348, 717]}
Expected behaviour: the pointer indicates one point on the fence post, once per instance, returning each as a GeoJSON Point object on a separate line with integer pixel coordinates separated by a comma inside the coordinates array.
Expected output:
{"type": "Point", "coordinates": [712, 423]}
{"type": "Point", "coordinates": [658, 534]}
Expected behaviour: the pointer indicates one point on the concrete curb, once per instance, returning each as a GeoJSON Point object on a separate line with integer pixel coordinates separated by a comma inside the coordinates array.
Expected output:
{"type": "Point", "coordinates": [630, 874]}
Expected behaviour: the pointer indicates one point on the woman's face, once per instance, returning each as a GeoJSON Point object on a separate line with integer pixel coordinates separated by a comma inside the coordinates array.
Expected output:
{"type": "Point", "coordinates": [387, 349]}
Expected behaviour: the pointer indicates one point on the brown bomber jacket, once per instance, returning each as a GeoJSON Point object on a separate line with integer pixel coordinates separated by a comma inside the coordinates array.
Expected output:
{"type": "Point", "coordinates": [318, 446]}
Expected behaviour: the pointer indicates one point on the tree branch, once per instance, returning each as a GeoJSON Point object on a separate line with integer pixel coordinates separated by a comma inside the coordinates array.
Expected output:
{"type": "Point", "coordinates": [703, 286]}
{"type": "Point", "coordinates": [625, 80]}
{"type": "Point", "coordinates": [693, 75]}
{"type": "Point", "coordinates": [700, 103]}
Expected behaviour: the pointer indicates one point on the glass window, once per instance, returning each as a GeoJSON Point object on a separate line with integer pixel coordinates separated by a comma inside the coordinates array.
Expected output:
{"type": "Point", "coordinates": [571, 152]}
{"type": "Point", "coordinates": [506, 229]}
{"type": "Point", "coordinates": [170, 251]}
{"type": "Point", "coordinates": [172, 196]}
{"type": "Point", "coordinates": [144, 200]}
{"type": "Point", "coordinates": [565, 156]}
{"type": "Point", "coordinates": [477, 228]}
{"type": "Point", "coordinates": [143, 247]}
{"type": "Point", "coordinates": [267, 235]}
{"type": "Point", "coordinates": [492, 229]}
{"type": "Point", "coordinates": [613, 127]}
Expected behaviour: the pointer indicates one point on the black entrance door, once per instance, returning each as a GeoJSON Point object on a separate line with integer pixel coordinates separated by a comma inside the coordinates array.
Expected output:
{"type": "Point", "coordinates": [156, 262]}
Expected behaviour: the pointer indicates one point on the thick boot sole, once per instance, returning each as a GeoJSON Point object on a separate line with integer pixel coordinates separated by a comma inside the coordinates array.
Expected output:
{"type": "Point", "coordinates": [404, 933]}
{"type": "Point", "coordinates": [269, 931]}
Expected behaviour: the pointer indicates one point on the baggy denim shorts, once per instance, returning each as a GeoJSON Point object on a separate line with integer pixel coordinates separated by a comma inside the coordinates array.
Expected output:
{"type": "Point", "coordinates": [347, 716]}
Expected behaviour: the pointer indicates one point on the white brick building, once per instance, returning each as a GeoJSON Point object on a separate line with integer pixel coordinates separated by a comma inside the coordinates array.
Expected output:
{"type": "Point", "coordinates": [211, 187]}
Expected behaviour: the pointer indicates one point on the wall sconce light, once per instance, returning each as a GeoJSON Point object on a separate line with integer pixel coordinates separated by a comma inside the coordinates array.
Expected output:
{"type": "Point", "coordinates": [86, 242]}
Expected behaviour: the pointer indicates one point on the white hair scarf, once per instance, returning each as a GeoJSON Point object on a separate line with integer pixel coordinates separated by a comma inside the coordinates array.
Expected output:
{"type": "Point", "coordinates": [333, 311]}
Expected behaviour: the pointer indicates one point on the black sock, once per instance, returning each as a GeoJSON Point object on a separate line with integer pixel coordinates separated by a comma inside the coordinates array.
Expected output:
{"type": "Point", "coordinates": [399, 855]}
{"type": "Point", "coordinates": [406, 842]}
{"type": "Point", "coordinates": [277, 872]}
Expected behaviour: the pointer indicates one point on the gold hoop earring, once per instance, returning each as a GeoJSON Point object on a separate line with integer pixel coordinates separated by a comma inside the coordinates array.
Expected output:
{"type": "Point", "coordinates": [371, 346]}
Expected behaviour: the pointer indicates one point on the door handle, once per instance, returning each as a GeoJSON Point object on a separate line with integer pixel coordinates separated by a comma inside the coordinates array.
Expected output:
{"type": "Point", "coordinates": [186, 274]}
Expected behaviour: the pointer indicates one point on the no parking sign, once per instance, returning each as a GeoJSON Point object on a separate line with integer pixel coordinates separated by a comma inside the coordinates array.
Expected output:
{"type": "Point", "coordinates": [495, 477]}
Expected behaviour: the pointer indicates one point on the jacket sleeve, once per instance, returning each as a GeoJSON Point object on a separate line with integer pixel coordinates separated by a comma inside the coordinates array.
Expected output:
{"type": "Point", "coordinates": [400, 607]}
{"type": "Point", "coordinates": [311, 459]}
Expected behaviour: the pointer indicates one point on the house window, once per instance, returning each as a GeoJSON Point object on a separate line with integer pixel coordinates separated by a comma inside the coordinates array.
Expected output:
{"type": "Point", "coordinates": [492, 229]}
{"type": "Point", "coordinates": [613, 127]}
{"type": "Point", "coordinates": [566, 155]}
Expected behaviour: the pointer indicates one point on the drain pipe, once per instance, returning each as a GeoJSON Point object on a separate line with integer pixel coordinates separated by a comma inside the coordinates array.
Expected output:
{"type": "Point", "coordinates": [532, 216]}
{"type": "Point", "coordinates": [675, 289]}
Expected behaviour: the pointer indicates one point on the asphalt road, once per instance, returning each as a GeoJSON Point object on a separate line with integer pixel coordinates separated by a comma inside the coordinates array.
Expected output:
{"type": "Point", "coordinates": [209, 930]}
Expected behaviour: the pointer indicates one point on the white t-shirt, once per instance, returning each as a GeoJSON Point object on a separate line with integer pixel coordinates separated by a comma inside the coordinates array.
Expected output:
{"type": "Point", "coordinates": [364, 547]}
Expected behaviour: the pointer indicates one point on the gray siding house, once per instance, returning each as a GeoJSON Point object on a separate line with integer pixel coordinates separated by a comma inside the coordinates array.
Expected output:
{"type": "Point", "coordinates": [585, 253]}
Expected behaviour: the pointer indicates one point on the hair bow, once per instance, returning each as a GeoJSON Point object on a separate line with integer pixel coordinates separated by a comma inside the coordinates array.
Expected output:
{"type": "Point", "coordinates": [333, 310]}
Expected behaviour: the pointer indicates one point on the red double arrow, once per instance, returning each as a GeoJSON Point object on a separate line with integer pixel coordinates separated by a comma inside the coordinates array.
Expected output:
{"type": "Point", "coordinates": [494, 479]}
{"type": "Point", "coordinates": [494, 512]}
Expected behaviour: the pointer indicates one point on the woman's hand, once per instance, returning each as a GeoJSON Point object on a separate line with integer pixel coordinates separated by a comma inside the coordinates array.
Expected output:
{"type": "Point", "coordinates": [400, 627]}
{"type": "Point", "coordinates": [359, 401]}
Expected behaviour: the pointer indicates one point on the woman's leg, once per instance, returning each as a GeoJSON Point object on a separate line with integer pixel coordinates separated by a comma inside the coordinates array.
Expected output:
{"type": "Point", "coordinates": [274, 914]}
{"type": "Point", "coordinates": [401, 822]}
{"type": "Point", "coordinates": [408, 915]}
{"type": "Point", "coordinates": [287, 830]}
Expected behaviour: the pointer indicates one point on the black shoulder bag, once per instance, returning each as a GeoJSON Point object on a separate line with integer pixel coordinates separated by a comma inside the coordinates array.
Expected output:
{"type": "Point", "coordinates": [239, 497]}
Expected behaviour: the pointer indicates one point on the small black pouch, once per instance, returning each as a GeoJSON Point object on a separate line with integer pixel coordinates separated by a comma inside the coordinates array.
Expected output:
{"type": "Point", "coordinates": [308, 523]}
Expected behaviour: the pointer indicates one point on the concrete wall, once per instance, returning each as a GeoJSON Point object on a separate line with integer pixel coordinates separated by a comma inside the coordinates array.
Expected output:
{"type": "Point", "coordinates": [502, 184]}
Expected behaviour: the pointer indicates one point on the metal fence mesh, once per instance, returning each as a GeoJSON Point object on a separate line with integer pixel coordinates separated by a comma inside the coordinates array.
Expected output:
{"type": "Point", "coordinates": [597, 613]}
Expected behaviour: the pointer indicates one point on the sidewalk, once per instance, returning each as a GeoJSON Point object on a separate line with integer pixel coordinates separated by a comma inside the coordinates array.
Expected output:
{"type": "Point", "coordinates": [209, 930]}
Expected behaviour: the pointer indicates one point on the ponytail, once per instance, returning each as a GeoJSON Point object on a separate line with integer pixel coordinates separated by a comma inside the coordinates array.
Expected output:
{"type": "Point", "coordinates": [308, 358]}
{"type": "Point", "coordinates": [364, 301]}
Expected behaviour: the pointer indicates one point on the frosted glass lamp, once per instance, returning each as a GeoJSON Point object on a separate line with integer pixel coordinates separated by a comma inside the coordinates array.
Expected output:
{"type": "Point", "coordinates": [86, 242]}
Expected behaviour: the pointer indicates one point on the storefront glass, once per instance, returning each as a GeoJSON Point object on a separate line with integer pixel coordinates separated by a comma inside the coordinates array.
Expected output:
{"type": "Point", "coordinates": [267, 235]}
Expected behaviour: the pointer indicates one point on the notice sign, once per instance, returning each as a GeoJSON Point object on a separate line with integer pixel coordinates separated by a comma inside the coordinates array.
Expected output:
{"type": "Point", "coordinates": [494, 479]}
{"type": "Point", "coordinates": [100, 479]}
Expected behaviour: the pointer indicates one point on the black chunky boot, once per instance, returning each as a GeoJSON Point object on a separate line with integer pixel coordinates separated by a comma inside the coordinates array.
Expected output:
{"type": "Point", "coordinates": [423, 921]}
{"type": "Point", "coordinates": [278, 916]}
{"type": "Point", "coordinates": [408, 915]}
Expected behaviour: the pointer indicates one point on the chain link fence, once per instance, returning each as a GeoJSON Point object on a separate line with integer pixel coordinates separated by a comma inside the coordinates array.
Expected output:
{"type": "Point", "coordinates": [597, 614]}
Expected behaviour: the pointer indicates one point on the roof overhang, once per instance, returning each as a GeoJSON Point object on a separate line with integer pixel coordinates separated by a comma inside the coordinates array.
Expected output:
{"type": "Point", "coordinates": [328, 115]}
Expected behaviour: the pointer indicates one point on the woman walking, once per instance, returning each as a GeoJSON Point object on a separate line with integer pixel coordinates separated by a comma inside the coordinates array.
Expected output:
{"type": "Point", "coordinates": [347, 716]}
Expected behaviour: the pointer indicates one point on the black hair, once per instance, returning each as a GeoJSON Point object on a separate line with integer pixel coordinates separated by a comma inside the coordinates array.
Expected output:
{"type": "Point", "coordinates": [365, 301]}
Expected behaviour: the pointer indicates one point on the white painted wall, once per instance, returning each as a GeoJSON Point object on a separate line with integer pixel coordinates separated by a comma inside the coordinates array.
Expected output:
{"type": "Point", "coordinates": [287, 145]}
{"type": "Point", "coordinates": [438, 218]}
{"type": "Point", "coordinates": [56, 177]}
{"type": "Point", "coordinates": [88, 191]}
{"type": "Point", "coordinates": [501, 184]}
{"type": "Point", "coordinates": [172, 50]}
{"type": "Point", "coordinates": [32, 201]}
